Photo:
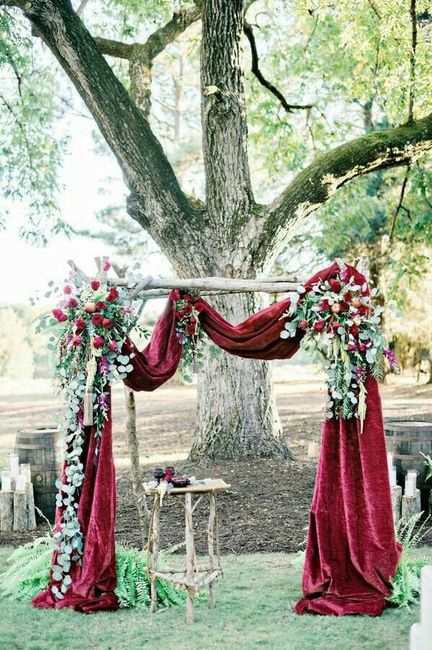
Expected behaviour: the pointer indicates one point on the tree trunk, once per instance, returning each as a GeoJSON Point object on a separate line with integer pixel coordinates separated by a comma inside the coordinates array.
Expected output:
{"type": "Point", "coordinates": [236, 413]}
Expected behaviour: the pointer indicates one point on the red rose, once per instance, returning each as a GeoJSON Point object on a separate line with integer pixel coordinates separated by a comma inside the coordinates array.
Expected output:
{"type": "Point", "coordinates": [347, 296]}
{"type": "Point", "coordinates": [76, 341]}
{"type": "Point", "coordinates": [95, 284]}
{"type": "Point", "coordinates": [354, 330]}
{"type": "Point", "coordinates": [361, 347]}
{"type": "Point", "coordinates": [72, 303]}
{"type": "Point", "coordinates": [106, 266]}
{"type": "Point", "coordinates": [335, 327]}
{"type": "Point", "coordinates": [98, 341]}
{"type": "Point", "coordinates": [180, 313]}
{"type": "Point", "coordinates": [113, 294]}
{"type": "Point", "coordinates": [303, 325]}
{"type": "Point", "coordinates": [80, 323]}
{"type": "Point", "coordinates": [324, 305]}
{"type": "Point", "coordinates": [112, 345]}
{"type": "Point", "coordinates": [190, 329]}
{"type": "Point", "coordinates": [100, 306]}
{"type": "Point", "coordinates": [335, 285]}
{"type": "Point", "coordinates": [188, 308]}
{"type": "Point", "coordinates": [189, 298]}
{"type": "Point", "coordinates": [352, 347]}
{"type": "Point", "coordinates": [318, 326]}
{"type": "Point", "coordinates": [362, 310]}
{"type": "Point", "coordinates": [97, 319]}
{"type": "Point", "coordinates": [107, 323]}
{"type": "Point", "coordinates": [67, 289]}
{"type": "Point", "coordinates": [59, 315]}
{"type": "Point", "coordinates": [175, 294]}
{"type": "Point", "coordinates": [192, 319]}
{"type": "Point", "coordinates": [344, 306]}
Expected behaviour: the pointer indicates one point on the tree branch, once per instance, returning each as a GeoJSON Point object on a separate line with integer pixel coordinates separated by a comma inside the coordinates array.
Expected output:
{"type": "Point", "coordinates": [316, 184]}
{"type": "Point", "coordinates": [148, 174]}
{"type": "Point", "coordinates": [290, 108]}
{"type": "Point", "coordinates": [412, 77]}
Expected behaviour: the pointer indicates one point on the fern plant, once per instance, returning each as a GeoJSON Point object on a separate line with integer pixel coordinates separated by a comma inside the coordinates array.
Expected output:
{"type": "Point", "coordinates": [406, 583]}
{"type": "Point", "coordinates": [29, 574]}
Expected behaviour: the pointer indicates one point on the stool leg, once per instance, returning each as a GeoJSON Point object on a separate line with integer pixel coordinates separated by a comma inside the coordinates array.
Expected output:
{"type": "Point", "coordinates": [211, 542]}
{"type": "Point", "coordinates": [190, 552]}
{"type": "Point", "coordinates": [154, 552]}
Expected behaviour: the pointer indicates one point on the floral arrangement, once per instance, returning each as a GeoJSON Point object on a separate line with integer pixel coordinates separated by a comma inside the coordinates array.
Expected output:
{"type": "Point", "coordinates": [189, 331]}
{"type": "Point", "coordinates": [89, 325]}
{"type": "Point", "coordinates": [338, 319]}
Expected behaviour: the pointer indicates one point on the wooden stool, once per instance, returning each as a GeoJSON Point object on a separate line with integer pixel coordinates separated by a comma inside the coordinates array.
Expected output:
{"type": "Point", "coordinates": [193, 577]}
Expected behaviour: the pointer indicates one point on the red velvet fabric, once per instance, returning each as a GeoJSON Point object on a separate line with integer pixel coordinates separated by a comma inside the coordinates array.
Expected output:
{"type": "Point", "coordinates": [94, 580]}
{"type": "Point", "coordinates": [351, 550]}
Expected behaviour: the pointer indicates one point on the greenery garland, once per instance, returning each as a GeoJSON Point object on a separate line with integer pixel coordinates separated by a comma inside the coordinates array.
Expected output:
{"type": "Point", "coordinates": [29, 574]}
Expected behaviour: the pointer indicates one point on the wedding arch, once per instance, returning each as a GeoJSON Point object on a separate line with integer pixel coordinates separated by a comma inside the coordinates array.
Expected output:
{"type": "Point", "coordinates": [351, 553]}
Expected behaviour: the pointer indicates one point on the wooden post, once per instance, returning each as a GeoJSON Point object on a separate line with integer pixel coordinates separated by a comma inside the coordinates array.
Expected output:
{"type": "Point", "coordinates": [153, 552]}
{"type": "Point", "coordinates": [211, 540]}
{"type": "Point", "coordinates": [20, 511]}
{"type": "Point", "coordinates": [135, 469]}
{"type": "Point", "coordinates": [6, 511]}
{"type": "Point", "coordinates": [190, 551]}
{"type": "Point", "coordinates": [411, 505]}
{"type": "Point", "coordinates": [396, 498]}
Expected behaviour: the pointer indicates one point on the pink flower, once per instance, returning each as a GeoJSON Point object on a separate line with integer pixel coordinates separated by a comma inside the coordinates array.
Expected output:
{"type": "Point", "coordinates": [95, 284]}
{"type": "Point", "coordinates": [303, 325]}
{"type": "Point", "coordinates": [67, 289]}
{"type": "Point", "coordinates": [98, 341]}
{"type": "Point", "coordinates": [354, 330]}
{"type": "Point", "coordinates": [106, 266]}
{"type": "Point", "coordinates": [112, 345]}
{"type": "Point", "coordinates": [77, 340]}
{"type": "Point", "coordinates": [107, 323]}
{"type": "Point", "coordinates": [352, 347]}
{"type": "Point", "coordinates": [72, 303]}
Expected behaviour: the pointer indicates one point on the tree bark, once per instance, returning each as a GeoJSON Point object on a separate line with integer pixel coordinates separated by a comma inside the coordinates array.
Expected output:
{"type": "Point", "coordinates": [236, 414]}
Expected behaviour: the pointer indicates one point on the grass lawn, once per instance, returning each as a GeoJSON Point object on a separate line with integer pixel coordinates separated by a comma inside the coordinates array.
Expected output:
{"type": "Point", "coordinates": [254, 610]}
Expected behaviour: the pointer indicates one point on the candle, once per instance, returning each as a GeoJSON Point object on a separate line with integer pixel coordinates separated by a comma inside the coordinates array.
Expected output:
{"type": "Point", "coordinates": [20, 483]}
{"type": "Point", "coordinates": [390, 463]}
{"type": "Point", "coordinates": [14, 465]}
{"type": "Point", "coordinates": [6, 482]}
{"type": "Point", "coordinates": [393, 477]}
{"type": "Point", "coordinates": [25, 471]}
{"type": "Point", "coordinates": [410, 483]}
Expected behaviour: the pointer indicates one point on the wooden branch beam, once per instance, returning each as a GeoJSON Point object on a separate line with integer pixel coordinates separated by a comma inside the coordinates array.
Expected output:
{"type": "Point", "coordinates": [212, 284]}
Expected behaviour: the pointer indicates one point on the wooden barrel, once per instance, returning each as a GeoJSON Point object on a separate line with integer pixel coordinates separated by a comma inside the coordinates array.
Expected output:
{"type": "Point", "coordinates": [39, 448]}
{"type": "Point", "coordinates": [406, 440]}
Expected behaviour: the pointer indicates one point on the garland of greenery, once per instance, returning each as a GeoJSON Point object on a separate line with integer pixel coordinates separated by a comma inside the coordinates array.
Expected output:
{"type": "Point", "coordinates": [339, 320]}
{"type": "Point", "coordinates": [29, 574]}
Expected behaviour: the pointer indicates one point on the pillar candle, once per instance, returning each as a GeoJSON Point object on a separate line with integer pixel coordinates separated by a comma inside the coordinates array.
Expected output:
{"type": "Point", "coordinates": [409, 487]}
{"type": "Point", "coordinates": [14, 465]}
{"type": "Point", "coordinates": [20, 483]}
{"type": "Point", "coordinates": [393, 477]}
{"type": "Point", "coordinates": [25, 471]}
{"type": "Point", "coordinates": [6, 482]}
{"type": "Point", "coordinates": [426, 605]}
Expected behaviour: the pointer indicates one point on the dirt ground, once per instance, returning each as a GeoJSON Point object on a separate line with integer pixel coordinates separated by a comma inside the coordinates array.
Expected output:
{"type": "Point", "coordinates": [267, 506]}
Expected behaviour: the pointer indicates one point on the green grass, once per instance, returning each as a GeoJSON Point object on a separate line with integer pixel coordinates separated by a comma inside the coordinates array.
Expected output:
{"type": "Point", "coordinates": [254, 610]}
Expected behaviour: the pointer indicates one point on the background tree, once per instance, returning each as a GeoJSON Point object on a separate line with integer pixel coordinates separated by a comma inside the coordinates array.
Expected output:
{"type": "Point", "coordinates": [302, 126]}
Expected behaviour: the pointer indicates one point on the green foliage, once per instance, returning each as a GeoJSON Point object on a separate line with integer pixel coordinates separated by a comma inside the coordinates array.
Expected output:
{"type": "Point", "coordinates": [406, 583]}
{"type": "Point", "coordinates": [29, 155]}
{"type": "Point", "coordinates": [29, 569]}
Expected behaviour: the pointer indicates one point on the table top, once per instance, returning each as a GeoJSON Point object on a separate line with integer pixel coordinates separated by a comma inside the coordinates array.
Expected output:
{"type": "Point", "coordinates": [205, 485]}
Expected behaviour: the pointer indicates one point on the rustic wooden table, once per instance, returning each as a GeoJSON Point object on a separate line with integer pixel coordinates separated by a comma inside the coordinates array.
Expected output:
{"type": "Point", "coordinates": [194, 577]}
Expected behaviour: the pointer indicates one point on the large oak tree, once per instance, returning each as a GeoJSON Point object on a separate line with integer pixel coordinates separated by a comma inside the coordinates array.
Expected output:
{"type": "Point", "coordinates": [228, 233]}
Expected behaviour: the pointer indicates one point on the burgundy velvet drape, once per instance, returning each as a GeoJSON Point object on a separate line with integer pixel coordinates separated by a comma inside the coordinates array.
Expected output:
{"type": "Point", "coordinates": [351, 550]}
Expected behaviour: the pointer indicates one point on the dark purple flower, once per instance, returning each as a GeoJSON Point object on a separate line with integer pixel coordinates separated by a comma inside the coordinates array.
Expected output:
{"type": "Point", "coordinates": [391, 358]}
{"type": "Point", "coordinates": [103, 401]}
{"type": "Point", "coordinates": [104, 366]}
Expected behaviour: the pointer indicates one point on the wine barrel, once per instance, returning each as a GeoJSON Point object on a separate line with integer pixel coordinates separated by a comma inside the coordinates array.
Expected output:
{"type": "Point", "coordinates": [39, 448]}
{"type": "Point", "coordinates": [406, 440]}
